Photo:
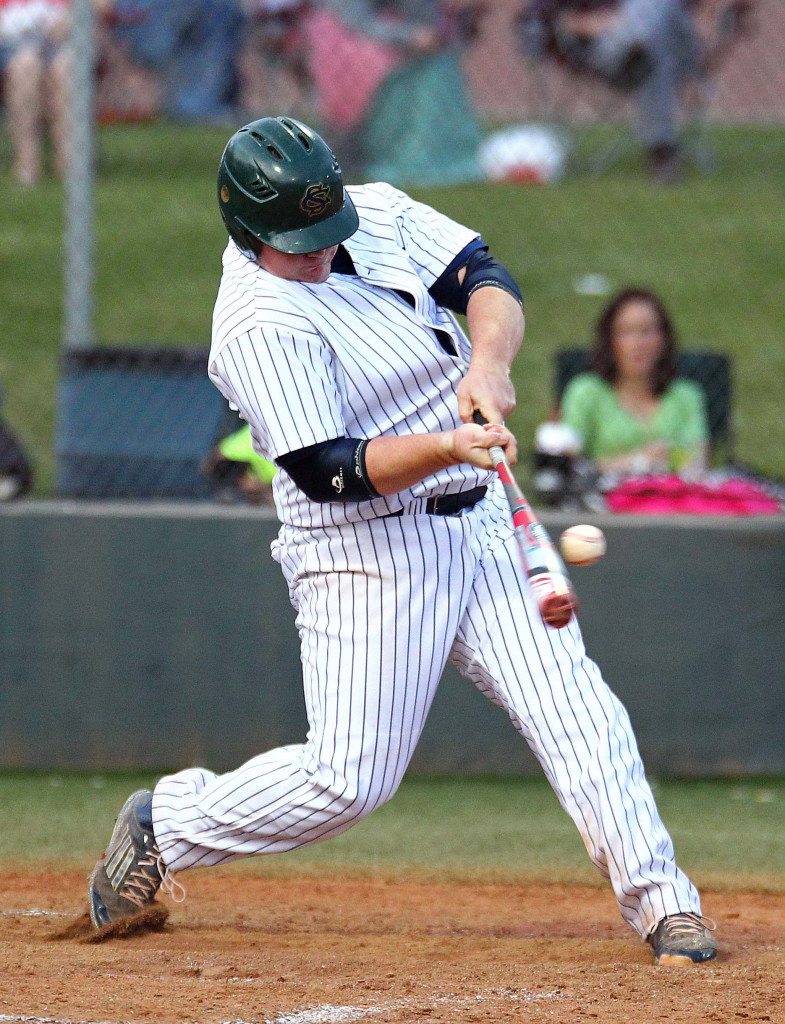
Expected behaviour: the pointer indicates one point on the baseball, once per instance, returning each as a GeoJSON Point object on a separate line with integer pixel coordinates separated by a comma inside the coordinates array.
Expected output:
{"type": "Point", "coordinates": [582, 545]}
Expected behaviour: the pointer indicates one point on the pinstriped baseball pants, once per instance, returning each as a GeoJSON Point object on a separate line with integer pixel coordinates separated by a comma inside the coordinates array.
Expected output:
{"type": "Point", "coordinates": [381, 605]}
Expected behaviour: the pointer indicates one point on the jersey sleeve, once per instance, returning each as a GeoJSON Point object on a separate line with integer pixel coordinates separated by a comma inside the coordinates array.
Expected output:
{"type": "Point", "coordinates": [282, 382]}
{"type": "Point", "coordinates": [430, 238]}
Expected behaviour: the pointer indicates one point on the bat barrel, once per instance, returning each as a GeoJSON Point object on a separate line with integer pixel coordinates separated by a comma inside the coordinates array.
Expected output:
{"type": "Point", "coordinates": [548, 579]}
{"type": "Point", "coordinates": [557, 609]}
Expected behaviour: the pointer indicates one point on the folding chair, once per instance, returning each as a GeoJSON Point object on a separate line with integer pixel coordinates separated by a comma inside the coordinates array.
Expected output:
{"type": "Point", "coordinates": [590, 114]}
{"type": "Point", "coordinates": [597, 113]}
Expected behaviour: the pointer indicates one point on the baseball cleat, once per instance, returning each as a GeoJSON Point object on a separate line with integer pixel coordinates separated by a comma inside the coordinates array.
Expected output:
{"type": "Point", "coordinates": [130, 873]}
{"type": "Point", "coordinates": [682, 939]}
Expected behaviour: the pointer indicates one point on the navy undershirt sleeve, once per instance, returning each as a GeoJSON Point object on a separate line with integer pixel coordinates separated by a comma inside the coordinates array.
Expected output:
{"type": "Point", "coordinates": [446, 290]}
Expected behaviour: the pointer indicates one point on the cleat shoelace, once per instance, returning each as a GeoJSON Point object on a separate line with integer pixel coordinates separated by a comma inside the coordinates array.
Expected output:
{"type": "Point", "coordinates": [174, 889]}
{"type": "Point", "coordinates": [149, 874]}
{"type": "Point", "coordinates": [687, 926]}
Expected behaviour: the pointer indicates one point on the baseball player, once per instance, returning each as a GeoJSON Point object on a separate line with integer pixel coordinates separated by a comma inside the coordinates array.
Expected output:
{"type": "Point", "coordinates": [335, 337]}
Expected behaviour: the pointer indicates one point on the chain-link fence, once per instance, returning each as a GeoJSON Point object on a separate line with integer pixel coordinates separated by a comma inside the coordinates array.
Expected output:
{"type": "Point", "coordinates": [605, 102]}
{"type": "Point", "coordinates": [138, 423]}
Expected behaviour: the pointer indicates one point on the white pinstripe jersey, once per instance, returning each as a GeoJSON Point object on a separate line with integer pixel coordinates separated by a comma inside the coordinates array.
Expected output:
{"type": "Point", "coordinates": [306, 363]}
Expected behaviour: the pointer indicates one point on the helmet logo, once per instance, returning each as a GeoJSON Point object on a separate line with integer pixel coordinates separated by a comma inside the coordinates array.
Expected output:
{"type": "Point", "coordinates": [316, 199]}
{"type": "Point", "coordinates": [224, 194]}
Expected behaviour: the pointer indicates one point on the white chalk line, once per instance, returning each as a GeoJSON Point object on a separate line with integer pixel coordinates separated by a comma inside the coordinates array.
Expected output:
{"type": "Point", "coordinates": [35, 912]}
{"type": "Point", "coordinates": [328, 1014]}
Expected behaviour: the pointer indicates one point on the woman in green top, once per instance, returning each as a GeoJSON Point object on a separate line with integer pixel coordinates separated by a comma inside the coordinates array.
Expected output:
{"type": "Point", "coordinates": [633, 414]}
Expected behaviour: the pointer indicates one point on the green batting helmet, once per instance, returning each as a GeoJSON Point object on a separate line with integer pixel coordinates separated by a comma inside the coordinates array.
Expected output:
{"type": "Point", "coordinates": [279, 182]}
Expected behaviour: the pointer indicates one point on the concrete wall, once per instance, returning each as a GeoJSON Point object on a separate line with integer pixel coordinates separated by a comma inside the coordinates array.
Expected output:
{"type": "Point", "coordinates": [155, 636]}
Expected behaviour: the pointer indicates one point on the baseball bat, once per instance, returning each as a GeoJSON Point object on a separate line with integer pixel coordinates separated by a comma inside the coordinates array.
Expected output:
{"type": "Point", "coordinates": [545, 570]}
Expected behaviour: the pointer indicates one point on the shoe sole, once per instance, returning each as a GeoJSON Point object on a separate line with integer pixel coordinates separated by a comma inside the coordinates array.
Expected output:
{"type": "Point", "coordinates": [682, 960]}
{"type": "Point", "coordinates": [94, 897]}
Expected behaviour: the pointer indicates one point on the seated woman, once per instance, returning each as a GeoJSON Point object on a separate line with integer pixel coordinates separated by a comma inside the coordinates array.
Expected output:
{"type": "Point", "coordinates": [633, 414]}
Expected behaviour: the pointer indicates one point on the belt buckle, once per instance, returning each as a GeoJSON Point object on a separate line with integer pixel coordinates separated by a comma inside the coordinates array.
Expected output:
{"type": "Point", "coordinates": [435, 504]}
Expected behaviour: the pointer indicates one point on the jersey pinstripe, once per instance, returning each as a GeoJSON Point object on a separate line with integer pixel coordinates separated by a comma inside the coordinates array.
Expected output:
{"type": "Point", "coordinates": [306, 363]}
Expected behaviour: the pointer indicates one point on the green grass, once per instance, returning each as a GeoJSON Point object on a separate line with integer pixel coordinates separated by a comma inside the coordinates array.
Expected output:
{"type": "Point", "coordinates": [727, 834]}
{"type": "Point", "coordinates": [714, 247]}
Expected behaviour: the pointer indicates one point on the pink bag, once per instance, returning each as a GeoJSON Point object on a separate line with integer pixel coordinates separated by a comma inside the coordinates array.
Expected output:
{"type": "Point", "coordinates": [670, 495]}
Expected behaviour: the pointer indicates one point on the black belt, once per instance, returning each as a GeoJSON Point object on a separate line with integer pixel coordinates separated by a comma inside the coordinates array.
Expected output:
{"type": "Point", "coordinates": [448, 504]}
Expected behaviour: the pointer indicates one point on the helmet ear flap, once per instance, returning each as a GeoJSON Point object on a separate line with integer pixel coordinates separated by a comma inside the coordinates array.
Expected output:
{"type": "Point", "coordinates": [248, 243]}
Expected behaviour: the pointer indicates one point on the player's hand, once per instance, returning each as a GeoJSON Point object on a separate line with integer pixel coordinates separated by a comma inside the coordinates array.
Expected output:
{"type": "Point", "coordinates": [488, 389]}
{"type": "Point", "coordinates": [470, 443]}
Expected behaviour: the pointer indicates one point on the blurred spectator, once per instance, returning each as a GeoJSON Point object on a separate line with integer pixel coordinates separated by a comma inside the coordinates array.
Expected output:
{"type": "Point", "coordinates": [272, 65]}
{"type": "Point", "coordinates": [237, 472]}
{"type": "Point", "coordinates": [389, 82]}
{"type": "Point", "coordinates": [632, 414]}
{"type": "Point", "coordinates": [193, 47]}
{"type": "Point", "coordinates": [125, 90]}
{"type": "Point", "coordinates": [34, 61]}
{"type": "Point", "coordinates": [16, 473]}
{"type": "Point", "coordinates": [651, 47]}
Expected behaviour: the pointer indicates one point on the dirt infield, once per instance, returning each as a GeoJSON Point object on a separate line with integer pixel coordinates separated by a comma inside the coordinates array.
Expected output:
{"type": "Point", "coordinates": [245, 949]}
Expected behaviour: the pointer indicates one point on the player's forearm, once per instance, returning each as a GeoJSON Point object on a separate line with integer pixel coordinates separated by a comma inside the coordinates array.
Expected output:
{"type": "Point", "coordinates": [397, 463]}
{"type": "Point", "coordinates": [496, 324]}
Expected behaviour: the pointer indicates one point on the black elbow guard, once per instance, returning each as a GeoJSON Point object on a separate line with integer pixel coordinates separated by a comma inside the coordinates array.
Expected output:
{"type": "Point", "coordinates": [331, 471]}
{"type": "Point", "coordinates": [482, 270]}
